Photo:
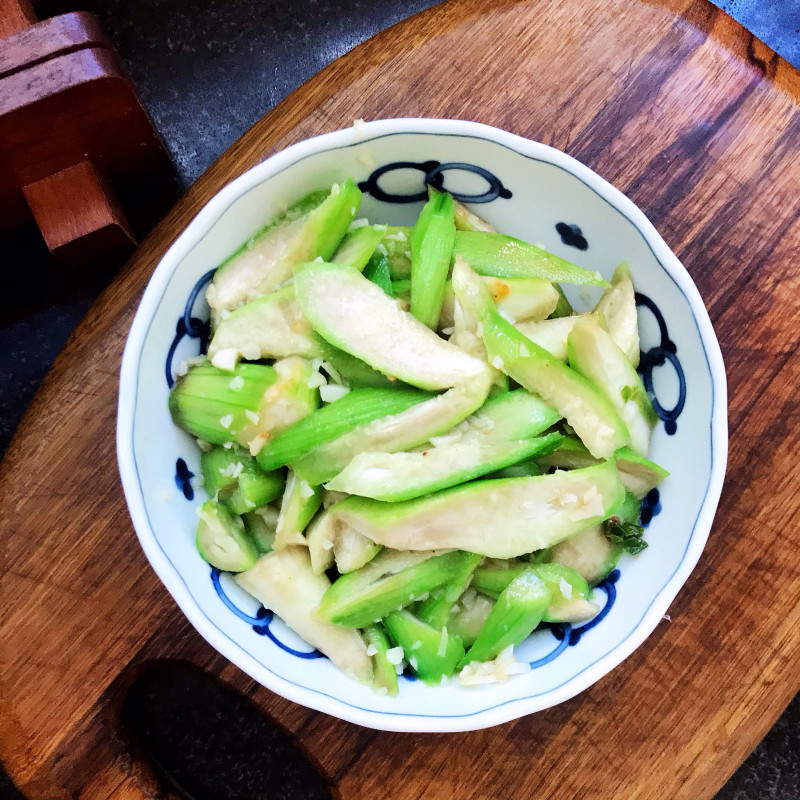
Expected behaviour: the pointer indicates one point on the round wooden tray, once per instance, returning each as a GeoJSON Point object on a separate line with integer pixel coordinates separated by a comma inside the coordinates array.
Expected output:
{"type": "Point", "coordinates": [698, 123]}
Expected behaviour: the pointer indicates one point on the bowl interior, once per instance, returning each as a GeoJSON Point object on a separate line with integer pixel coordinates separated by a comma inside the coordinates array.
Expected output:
{"type": "Point", "coordinates": [526, 190]}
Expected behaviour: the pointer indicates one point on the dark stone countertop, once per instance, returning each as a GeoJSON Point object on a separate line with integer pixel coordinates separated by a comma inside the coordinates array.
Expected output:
{"type": "Point", "coordinates": [206, 71]}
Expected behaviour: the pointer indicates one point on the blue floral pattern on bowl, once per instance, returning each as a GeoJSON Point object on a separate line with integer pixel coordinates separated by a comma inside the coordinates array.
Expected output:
{"type": "Point", "coordinates": [433, 174]}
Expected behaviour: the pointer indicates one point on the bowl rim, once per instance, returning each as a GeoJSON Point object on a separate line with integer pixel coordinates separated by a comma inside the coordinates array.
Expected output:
{"type": "Point", "coordinates": [174, 582]}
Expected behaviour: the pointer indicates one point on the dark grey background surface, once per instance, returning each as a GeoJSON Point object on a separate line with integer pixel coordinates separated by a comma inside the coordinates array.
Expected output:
{"type": "Point", "coordinates": [206, 71]}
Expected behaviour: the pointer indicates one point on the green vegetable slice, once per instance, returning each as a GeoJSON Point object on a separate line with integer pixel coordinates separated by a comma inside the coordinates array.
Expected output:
{"type": "Point", "coordinates": [563, 307]}
{"type": "Point", "coordinates": [473, 294]}
{"type": "Point", "coordinates": [436, 610]}
{"type": "Point", "coordinates": [395, 248]}
{"type": "Point", "coordinates": [384, 679]}
{"type": "Point", "coordinates": [630, 510]}
{"type": "Point", "coordinates": [594, 354]}
{"type": "Point", "coordinates": [292, 398]}
{"type": "Point", "coordinates": [378, 272]}
{"type": "Point", "coordinates": [638, 474]}
{"type": "Point", "coordinates": [505, 257]}
{"type": "Point", "coordinates": [260, 526]}
{"type": "Point", "coordinates": [472, 301]}
{"type": "Point", "coordinates": [232, 476]}
{"type": "Point", "coordinates": [219, 406]}
{"type": "Point", "coordinates": [320, 539]}
{"type": "Point", "coordinates": [401, 476]}
{"type": "Point", "coordinates": [300, 503]}
{"type": "Point", "coordinates": [219, 469]}
{"type": "Point", "coordinates": [520, 299]}
{"type": "Point", "coordinates": [552, 334]}
{"type": "Point", "coordinates": [590, 553]}
{"type": "Point", "coordinates": [467, 220]}
{"type": "Point", "coordinates": [351, 550]}
{"type": "Point", "coordinates": [221, 539]}
{"type": "Point", "coordinates": [494, 576]}
{"type": "Point", "coordinates": [400, 431]}
{"type": "Point", "coordinates": [570, 594]}
{"type": "Point", "coordinates": [498, 518]}
{"type": "Point", "coordinates": [237, 279]}
{"type": "Point", "coordinates": [569, 589]}
{"type": "Point", "coordinates": [431, 653]}
{"type": "Point", "coordinates": [358, 317]}
{"type": "Point", "coordinates": [618, 307]}
{"type": "Point", "coordinates": [311, 229]}
{"type": "Point", "coordinates": [353, 371]}
{"type": "Point", "coordinates": [514, 298]}
{"type": "Point", "coordinates": [284, 582]}
{"type": "Point", "coordinates": [589, 413]}
{"type": "Point", "coordinates": [255, 488]}
{"type": "Point", "coordinates": [431, 252]}
{"type": "Point", "coordinates": [358, 245]}
{"type": "Point", "coordinates": [272, 326]}
{"type": "Point", "coordinates": [520, 607]}
{"type": "Point", "coordinates": [329, 422]}
{"type": "Point", "coordinates": [511, 415]}
{"type": "Point", "coordinates": [390, 581]}
{"type": "Point", "coordinates": [469, 615]}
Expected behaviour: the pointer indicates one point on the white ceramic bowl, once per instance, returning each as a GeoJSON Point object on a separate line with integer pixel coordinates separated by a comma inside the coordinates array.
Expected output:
{"type": "Point", "coordinates": [525, 189]}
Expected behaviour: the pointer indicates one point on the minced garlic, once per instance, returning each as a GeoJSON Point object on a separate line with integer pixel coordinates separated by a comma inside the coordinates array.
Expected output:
{"type": "Point", "coordinates": [496, 671]}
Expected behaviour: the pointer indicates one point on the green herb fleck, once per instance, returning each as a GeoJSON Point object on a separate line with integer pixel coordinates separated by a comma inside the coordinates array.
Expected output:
{"type": "Point", "coordinates": [628, 534]}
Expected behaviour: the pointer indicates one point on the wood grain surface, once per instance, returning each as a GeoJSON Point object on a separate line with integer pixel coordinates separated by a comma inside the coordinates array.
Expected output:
{"type": "Point", "coordinates": [69, 122]}
{"type": "Point", "coordinates": [15, 15]}
{"type": "Point", "coordinates": [79, 216]}
{"type": "Point", "coordinates": [695, 121]}
{"type": "Point", "coordinates": [48, 38]}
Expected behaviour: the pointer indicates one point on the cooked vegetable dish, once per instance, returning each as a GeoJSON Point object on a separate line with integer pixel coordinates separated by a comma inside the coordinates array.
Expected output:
{"type": "Point", "coordinates": [415, 450]}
